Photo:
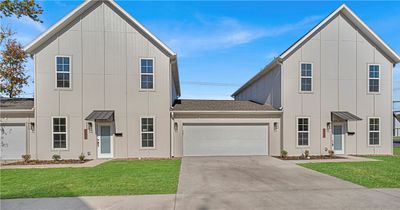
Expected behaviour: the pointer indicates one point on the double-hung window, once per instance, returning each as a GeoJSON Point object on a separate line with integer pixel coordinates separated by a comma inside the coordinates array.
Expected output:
{"type": "Point", "coordinates": [59, 126]}
{"type": "Point", "coordinates": [63, 72]}
{"type": "Point", "coordinates": [306, 74]}
{"type": "Point", "coordinates": [303, 131]}
{"type": "Point", "coordinates": [147, 74]}
{"type": "Point", "coordinates": [147, 132]}
{"type": "Point", "coordinates": [373, 78]}
{"type": "Point", "coordinates": [373, 131]}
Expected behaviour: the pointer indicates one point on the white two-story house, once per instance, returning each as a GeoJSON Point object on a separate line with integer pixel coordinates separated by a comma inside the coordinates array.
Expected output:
{"type": "Point", "coordinates": [334, 87]}
{"type": "Point", "coordinates": [104, 86]}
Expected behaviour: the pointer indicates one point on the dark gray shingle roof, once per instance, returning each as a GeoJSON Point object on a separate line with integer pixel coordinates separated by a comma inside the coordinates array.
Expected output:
{"type": "Point", "coordinates": [16, 103]}
{"type": "Point", "coordinates": [220, 105]}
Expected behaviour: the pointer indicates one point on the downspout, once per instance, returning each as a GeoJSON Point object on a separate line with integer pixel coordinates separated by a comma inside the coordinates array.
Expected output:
{"type": "Point", "coordinates": [280, 63]}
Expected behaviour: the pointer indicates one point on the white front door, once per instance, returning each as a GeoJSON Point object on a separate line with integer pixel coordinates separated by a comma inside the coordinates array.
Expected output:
{"type": "Point", "coordinates": [338, 139]}
{"type": "Point", "coordinates": [105, 142]}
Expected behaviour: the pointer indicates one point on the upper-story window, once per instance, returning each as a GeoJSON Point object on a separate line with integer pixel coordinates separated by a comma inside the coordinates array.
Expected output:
{"type": "Point", "coordinates": [147, 74]}
{"type": "Point", "coordinates": [373, 78]}
{"type": "Point", "coordinates": [306, 74]}
{"type": "Point", "coordinates": [63, 72]}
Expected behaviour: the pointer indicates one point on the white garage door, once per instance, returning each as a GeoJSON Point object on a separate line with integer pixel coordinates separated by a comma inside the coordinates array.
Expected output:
{"type": "Point", "coordinates": [225, 139]}
{"type": "Point", "coordinates": [13, 141]}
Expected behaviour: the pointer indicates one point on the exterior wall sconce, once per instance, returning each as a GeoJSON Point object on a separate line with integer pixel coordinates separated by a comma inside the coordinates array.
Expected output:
{"type": "Point", "coordinates": [176, 126]}
{"type": "Point", "coordinates": [328, 125]}
{"type": "Point", "coordinates": [32, 126]}
{"type": "Point", "coordinates": [90, 127]}
{"type": "Point", "coordinates": [276, 126]}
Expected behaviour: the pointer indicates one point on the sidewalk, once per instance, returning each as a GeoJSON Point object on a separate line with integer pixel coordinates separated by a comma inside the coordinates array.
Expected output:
{"type": "Point", "coordinates": [91, 163]}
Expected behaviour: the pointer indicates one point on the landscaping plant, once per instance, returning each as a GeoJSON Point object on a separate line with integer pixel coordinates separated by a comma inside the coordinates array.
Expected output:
{"type": "Point", "coordinates": [284, 154]}
{"type": "Point", "coordinates": [26, 157]}
{"type": "Point", "coordinates": [56, 157]}
{"type": "Point", "coordinates": [331, 153]}
{"type": "Point", "coordinates": [82, 157]}
{"type": "Point", "coordinates": [306, 153]}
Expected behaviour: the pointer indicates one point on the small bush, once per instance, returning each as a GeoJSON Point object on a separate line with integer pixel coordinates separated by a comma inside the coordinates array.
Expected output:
{"type": "Point", "coordinates": [56, 157]}
{"type": "Point", "coordinates": [284, 154]}
{"type": "Point", "coordinates": [307, 153]}
{"type": "Point", "coordinates": [302, 156]}
{"type": "Point", "coordinates": [26, 157]}
{"type": "Point", "coordinates": [82, 157]}
{"type": "Point", "coordinates": [331, 153]}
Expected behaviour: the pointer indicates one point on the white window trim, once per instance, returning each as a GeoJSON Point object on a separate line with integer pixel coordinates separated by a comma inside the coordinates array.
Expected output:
{"type": "Point", "coordinates": [297, 132]}
{"type": "Point", "coordinates": [379, 132]}
{"type": "Point", "coordinates": [154, 133]}
{"type": "Point", "coordinates": [140, 74]}
{"type": "Point", "coordinates": [312, 78]}
{"type": "Point", "coordinates": [66, 133]}
{"type": "Point", "coordinates": [70, 72]}
{"type": "Point", "coordinates": [379, 78]}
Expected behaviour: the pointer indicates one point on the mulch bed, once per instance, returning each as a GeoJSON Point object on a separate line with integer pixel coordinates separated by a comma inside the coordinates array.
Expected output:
{"type": "Point", "coordinates": [46, 162]}
{"type": "Point", "coordinates": [312, 157]}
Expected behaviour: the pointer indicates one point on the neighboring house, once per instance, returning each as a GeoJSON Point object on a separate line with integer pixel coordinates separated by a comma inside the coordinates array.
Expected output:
{"type": "Point", "coordinates": [334, 87]}
{"type": "Point", "coordinates": [16, 127]}
{"type": "Point", "coordinates": [104, 86]}
{"type": "Point", "coordinates": [396, 124]}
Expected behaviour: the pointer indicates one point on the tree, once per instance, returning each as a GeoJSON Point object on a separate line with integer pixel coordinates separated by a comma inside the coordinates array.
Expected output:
{"type": "Point", "coordinates": [12, 69]}
{"type": "Point", "coordinates": [18, 8]}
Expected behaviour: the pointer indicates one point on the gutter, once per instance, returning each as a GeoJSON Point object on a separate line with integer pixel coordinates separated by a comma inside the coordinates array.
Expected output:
{"type": "Point", "coordinates": [230, 112]}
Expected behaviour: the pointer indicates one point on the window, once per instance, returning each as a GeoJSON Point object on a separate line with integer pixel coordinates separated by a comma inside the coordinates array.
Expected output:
{"type": "Point", "coordinates": [303, 131]}
{"type": "Point", "coordinates": [373, 78]}
{"type": "Point", "coordinates": [63, 72]}
{"type": "Point", "coordinates": [373, 131]}
{"type": "Point", "coordinates": [147, 132]}
{"type": "Point", "coordinates": [146, 74]}
{"type": "Point", "coordinates": [306, 77]}
{"type": "Point", "coordinates": [59, 132]}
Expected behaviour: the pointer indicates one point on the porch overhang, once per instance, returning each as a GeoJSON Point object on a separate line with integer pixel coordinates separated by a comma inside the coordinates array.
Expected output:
{"type": "Point", "coordinates": [101, 115]}
{"type": "Point", "coordinates": [343, 116]}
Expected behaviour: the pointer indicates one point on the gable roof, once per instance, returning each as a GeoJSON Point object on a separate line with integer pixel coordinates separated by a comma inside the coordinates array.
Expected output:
{"type": "Point", "coordinates": [352, 17]}
{"type": "Point", "coordinates": [86, 5]}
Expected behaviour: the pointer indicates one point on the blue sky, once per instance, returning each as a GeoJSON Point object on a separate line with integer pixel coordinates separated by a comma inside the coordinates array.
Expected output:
{"type": "Point", "coordinates": [220, 45]}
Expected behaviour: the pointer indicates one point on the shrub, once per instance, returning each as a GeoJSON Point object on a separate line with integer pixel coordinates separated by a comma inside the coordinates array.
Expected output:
{"type": "Point", "coordinates": [306, 153]}
{"type": "Point", "coordinates": [56, 157]}
{"type": "Point", "coordinates": [331, 153]}
{"type": "Point", "coordinates": [82, 157]}
{"type": "Point", "coordinates": [26, 157]}
{"type": "Point", "coordinates": [302, 156]}
{"type": "Point", "coordinates": [284, 154]}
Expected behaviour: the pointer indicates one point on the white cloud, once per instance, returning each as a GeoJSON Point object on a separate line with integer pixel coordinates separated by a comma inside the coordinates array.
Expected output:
{"type": "Point", "coordinates": [223, 32]}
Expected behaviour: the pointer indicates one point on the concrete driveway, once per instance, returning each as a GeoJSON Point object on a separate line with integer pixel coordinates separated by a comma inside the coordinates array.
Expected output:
{"type": "Point", "coordinates": [268, 183]}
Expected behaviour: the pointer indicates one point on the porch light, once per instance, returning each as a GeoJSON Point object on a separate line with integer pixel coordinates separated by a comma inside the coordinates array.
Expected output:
{"type": "Point", "coordinates": [176, 126]}
{"type": "Point", "coordinates": [90, 127]}
{"type": "Point", "coordinates": [32, 125]}
{"type": "Point", "coordinates": [276, 127]}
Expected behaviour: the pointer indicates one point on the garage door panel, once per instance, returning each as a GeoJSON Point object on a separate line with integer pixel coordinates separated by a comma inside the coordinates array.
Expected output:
{"type": "Point", "coordinates": [13, 141]}
{"type": "Point", "coordinates": [225, 140]}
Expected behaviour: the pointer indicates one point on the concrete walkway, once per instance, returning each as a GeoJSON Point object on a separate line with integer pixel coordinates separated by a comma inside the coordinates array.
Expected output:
{"type": "Point", "coordinates": [208, 183]}
{"type": "Point", "coordinates": [91, 163]}
{"type": "Point", "coordinates": [344, 160]}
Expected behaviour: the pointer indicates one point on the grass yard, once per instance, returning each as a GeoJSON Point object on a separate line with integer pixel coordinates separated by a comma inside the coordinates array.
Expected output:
{"type": "Point", "coordinates": [117, 177]}
{"type": "Point", "coordinates": [379, 174]}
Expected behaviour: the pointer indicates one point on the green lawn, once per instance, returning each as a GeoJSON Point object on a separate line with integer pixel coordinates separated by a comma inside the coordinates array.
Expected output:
{"type": "Point", "coordinates": [118, 177]}
{"type": "Point", "coordinates": [377, 174]}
